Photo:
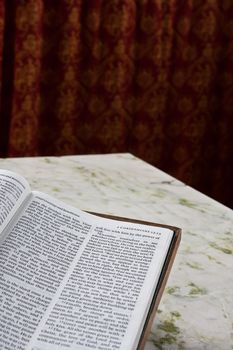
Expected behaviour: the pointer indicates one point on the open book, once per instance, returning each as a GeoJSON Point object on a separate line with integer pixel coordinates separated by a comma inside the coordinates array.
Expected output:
{"type": "Point", "coordinates": [74, 280]}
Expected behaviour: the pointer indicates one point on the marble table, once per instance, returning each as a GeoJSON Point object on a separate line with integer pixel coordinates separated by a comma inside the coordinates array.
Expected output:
{"type": "Point", "coordinates": [196, 310]}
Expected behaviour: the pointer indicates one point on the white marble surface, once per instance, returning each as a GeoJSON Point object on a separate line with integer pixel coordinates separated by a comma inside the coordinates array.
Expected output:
{"type": "Point", "coordinates": [196, 311]}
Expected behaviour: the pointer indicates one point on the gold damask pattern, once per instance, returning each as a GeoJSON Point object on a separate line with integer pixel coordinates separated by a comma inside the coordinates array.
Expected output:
{"type": "Point", "coordinates": [153, 77]}
{"type": "Point", "coordinates": [24, 124]}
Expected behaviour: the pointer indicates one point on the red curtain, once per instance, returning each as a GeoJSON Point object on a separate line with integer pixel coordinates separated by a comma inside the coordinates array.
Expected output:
{"type": "Point", "coordinates": [151, 77]}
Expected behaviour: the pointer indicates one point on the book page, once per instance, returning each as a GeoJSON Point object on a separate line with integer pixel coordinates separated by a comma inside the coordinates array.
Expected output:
{"type": "Point", "coordinates": [105, 300]}
{"type": "Point", "coordinates": [13, 190]}
{"type": "Point", "coordinates": [34, 258]}
{"type": "Point", "coordinates": [72, 280]}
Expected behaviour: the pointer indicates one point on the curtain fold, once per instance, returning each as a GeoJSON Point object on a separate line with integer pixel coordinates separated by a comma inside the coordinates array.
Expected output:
{"type": "Point", "coordinates": [151, 77]}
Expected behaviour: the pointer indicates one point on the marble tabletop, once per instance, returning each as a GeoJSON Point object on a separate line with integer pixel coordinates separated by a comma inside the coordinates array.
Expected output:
{"type": "Point", "coordinates": [196, 310]}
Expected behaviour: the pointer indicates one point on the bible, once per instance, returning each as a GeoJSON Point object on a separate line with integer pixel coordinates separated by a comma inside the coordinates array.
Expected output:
{"type": "Point", "coordinates": [71, 279]}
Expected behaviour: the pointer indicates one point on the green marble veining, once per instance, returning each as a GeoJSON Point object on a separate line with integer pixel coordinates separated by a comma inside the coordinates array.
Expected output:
{"type": "Point", "coordinates": [195, 265]}
{"type": "Point", "coordinates": [159, 193]}
{"type": "Point", "coordinates": [225, 250]}
{"type": "Point", "coordinates": [196, 290]}
{"type": "Point", "coordinates": [211, 258]}
{"type": "Point", "coordinates": [172, 290]}
{"type": "Point", "coordinates": [48, 160]}
{"type": "Point", "coordinates": [56, 189]}
{"type": "Point", "coordinates": [168, 332]}
{"type": "Point", "coordinates": [187, 203]}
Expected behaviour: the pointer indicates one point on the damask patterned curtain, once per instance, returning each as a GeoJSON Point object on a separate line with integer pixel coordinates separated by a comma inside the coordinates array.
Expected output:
{"type": "Point", "coordinates": [151, 77]}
